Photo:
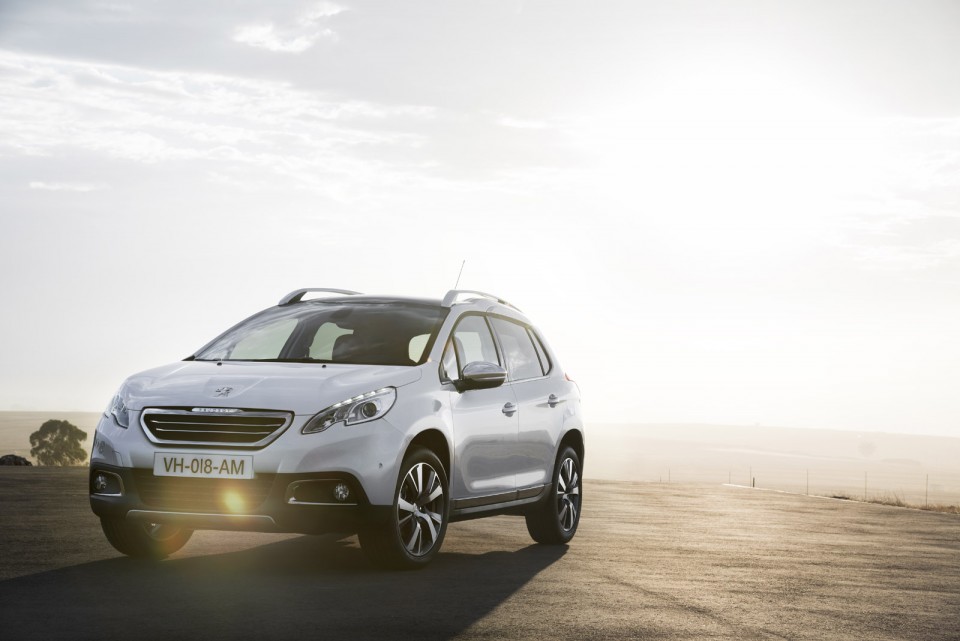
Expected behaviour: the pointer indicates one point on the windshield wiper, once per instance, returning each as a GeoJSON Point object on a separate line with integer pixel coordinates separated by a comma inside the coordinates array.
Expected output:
{"type": "Point", "coordinates": [284, 360]}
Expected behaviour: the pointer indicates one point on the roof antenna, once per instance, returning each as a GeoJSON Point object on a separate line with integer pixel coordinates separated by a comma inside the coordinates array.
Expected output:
{"type": "Point", "coordinates": [461, 273]}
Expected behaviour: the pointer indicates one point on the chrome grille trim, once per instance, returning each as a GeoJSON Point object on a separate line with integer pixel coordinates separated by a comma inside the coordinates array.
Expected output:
{"type": "Point", "coordinates": [181, 426]}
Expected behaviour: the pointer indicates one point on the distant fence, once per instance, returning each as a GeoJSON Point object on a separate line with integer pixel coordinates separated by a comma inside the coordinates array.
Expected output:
{"type": "Point", "coordinates": [878, 481]}
{"type": "Point", "coordinates": [916, 469]}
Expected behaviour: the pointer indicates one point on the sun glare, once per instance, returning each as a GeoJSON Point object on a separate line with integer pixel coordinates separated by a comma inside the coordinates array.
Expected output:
{"type": "Point", "coordinates": [751, 160]}
{"type": "Point", "coordinates": [234, 502]}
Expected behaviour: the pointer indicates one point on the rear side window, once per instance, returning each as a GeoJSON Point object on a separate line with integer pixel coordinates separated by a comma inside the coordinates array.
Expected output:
{"type": "Point", "coordinates": [518, 350]}
{"type": "Point", "coordinates": [542, 353]}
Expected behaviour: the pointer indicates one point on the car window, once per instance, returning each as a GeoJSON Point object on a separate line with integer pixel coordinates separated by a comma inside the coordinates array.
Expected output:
{"type": "Point", "coordinates": [264, 341]}
{"type": "Point", "coordinates": [324, 340]}
{"type": "Point", "coordinates": [448, 363]}
{"type": "Point", "coordinates": [518, 350]}
{"type": "Point", "coordinates": [417, 345]}
{"type": "Point", "coordinates": [542, 353]}
{"type": "Point", "coordinates": [473, 342]}
{"type": "Point", "coordinates": [339, 332]}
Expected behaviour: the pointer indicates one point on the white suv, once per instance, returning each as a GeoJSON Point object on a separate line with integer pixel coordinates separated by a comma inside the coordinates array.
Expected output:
{"type": "Point", "coordinates": [389, 417]}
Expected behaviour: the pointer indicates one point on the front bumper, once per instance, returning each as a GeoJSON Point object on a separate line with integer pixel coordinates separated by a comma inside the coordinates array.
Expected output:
{"type": "Point", "coordinates": [300, 503]}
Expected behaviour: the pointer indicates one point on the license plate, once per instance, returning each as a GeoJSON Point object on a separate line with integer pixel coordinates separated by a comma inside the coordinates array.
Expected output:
{"type": "Point", "coordinates": [205, 466]}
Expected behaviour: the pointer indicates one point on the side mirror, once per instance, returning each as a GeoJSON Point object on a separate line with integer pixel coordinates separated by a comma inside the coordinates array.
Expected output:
{"type": "Point", "coordinates": [481, 375]}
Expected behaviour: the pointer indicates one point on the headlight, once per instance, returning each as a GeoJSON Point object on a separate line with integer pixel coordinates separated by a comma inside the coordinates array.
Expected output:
{"type": "Point", "coordinates": [359, 409]}
{"type": "Point", "coordinates": [118, 410]}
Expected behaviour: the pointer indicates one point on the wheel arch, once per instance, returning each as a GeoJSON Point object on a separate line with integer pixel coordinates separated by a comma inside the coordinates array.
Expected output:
{"type": "Point", "coordinates": [435, 441]}
{"type": "Point", "coordinates": [574, 439]}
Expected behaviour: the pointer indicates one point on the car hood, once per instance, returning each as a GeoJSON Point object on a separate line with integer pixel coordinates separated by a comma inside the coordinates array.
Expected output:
{"type": "Point", "coordinates": [303, 388]}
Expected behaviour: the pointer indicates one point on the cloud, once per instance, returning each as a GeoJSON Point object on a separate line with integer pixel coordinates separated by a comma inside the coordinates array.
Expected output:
{"type": "Point", "coordinates": [266, 36]}
{"type": "Point", "coordinates": [520, 123]}
{"type": "Point", "coordinates": [256, 135]}
{"type": "Point", "coordinates": [72, 186]}
{"type": "Point", "coordinates": [239, 128]}
{"type": "Point", "coordinates": [904, 257]}
{"type": "Point", "coordinates": [303, 34]}
{"type": "Point", "coordinates": [320, 11]}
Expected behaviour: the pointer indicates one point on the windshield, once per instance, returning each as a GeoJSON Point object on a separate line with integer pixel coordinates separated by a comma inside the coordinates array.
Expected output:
{"type": "Point", "coordinates": [318, 332]}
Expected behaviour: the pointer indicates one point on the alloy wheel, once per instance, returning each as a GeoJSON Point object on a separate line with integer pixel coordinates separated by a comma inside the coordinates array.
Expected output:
{"type": "Point", "coordinates": [420, 509]}
{"type": "Point", "coordinates": [568, 494]}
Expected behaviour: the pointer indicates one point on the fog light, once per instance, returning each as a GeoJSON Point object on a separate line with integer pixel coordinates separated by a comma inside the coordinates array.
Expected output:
{"type": "Point", "coordinates": [106, 484]}
{"type": "Point", "coordinates": [341, 492]}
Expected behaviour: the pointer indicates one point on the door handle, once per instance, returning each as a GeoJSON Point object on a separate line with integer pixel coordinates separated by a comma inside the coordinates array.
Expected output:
{"type": "Point", "coordinates": [552, 400]}
{"type": "Point", "coordinates": [509, 409]}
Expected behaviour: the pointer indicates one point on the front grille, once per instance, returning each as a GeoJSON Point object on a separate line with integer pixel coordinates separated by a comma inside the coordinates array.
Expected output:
{"type": "Point", "coordinates": [217, 496]}
{"type": "Point", "coordinates": [215, 427]}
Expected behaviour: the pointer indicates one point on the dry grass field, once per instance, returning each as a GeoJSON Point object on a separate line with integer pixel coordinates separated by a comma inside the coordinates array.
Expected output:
{"type": "Point", "coordinates": [915, 470]}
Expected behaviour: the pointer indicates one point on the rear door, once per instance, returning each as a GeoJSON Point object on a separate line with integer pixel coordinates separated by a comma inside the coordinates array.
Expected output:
{"type": "Point", "coordinates": [540, 399]}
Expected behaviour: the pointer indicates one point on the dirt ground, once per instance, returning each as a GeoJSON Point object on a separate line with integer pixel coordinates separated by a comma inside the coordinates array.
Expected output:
{"type": "Point", "coordinates": [651, 561]}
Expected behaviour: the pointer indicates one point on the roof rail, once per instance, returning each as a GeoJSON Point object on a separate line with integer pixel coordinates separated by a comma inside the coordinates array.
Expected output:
{"type": "Point", "coordinates": [452, 295]}
{"type": "Point", "coordinates": [296, 296]}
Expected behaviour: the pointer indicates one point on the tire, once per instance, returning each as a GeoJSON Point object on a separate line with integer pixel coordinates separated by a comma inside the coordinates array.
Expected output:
{"type": "Point", "coordinates": [555, 520]}
{"type": "Point", "coordinates": [144, 540]}
{"type": "Point", "coordinates": [418, 521]}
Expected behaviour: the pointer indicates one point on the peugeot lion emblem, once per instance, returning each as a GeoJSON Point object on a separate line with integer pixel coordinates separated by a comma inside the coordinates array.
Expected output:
{"type": "Point", "coordinates": [223, 391]}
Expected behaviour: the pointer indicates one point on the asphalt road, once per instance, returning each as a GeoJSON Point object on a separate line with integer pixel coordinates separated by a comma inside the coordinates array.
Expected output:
{"type": "Point", "coordinates": [650, 562]}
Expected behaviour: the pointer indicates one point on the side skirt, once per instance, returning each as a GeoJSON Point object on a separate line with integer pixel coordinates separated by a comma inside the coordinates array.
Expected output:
{"type": "Point", "coordinates": [514, 502]}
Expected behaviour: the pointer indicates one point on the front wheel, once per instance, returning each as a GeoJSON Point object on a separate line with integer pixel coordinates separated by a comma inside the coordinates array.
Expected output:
{"type": "Point", "coordinates": [555, 520]}
{"type": "Point", "coordinates": [418, 521]}
{"type": "Point", "coordinates": [144, 540]}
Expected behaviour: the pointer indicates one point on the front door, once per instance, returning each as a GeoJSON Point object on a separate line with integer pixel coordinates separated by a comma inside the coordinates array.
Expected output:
{"type": "Point", "coordinates": [485, 422]}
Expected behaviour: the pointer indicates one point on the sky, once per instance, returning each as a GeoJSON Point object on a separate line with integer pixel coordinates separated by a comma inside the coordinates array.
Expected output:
{"type": "Point", "coordinates": [716, 212]}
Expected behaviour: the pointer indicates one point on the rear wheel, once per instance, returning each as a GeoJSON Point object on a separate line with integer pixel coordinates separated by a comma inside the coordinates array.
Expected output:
{"type": "Point", "coordinates": [144, 540]}
{"type": "Point", "coordinates": [555, 521]}
{"type": "Point", "coordinates": [418, 521]}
